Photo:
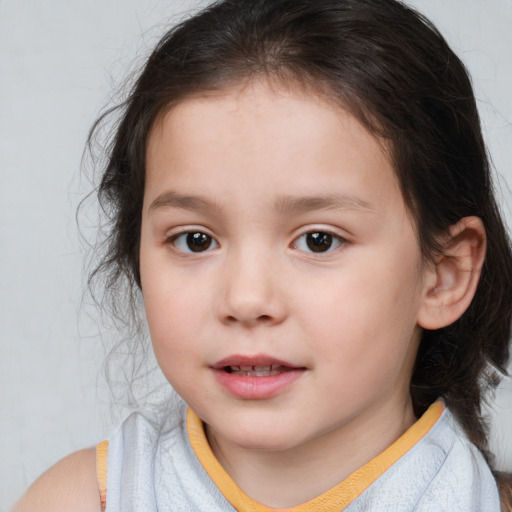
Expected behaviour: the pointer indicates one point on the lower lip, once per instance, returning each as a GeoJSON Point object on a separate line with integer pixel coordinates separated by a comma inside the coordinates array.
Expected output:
{"type": "Point", "coordinates": [257, 388]}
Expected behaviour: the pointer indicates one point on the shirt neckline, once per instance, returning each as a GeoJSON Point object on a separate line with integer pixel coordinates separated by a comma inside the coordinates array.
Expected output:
{"type": "Point", "coordinates": [335, 499]}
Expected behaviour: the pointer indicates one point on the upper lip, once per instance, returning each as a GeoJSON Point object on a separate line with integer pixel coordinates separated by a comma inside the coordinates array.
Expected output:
{"type": "Point", "coordinates": [256, 360]}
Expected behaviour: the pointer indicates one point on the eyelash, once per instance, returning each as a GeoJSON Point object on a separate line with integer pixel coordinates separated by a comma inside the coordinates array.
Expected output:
{"type": "Point", "coordinates": [182, 241]}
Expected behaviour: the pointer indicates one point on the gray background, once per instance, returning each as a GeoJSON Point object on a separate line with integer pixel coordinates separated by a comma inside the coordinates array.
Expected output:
{"type": "Point", "coordinates": [59, 63]}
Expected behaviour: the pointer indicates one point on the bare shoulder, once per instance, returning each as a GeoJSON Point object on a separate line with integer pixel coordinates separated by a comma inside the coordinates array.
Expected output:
{"type": "Point", "coordinates": [69, 485]}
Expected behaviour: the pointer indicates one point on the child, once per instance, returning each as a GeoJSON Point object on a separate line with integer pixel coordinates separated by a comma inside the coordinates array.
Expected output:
{"type": "Point", "coordinates": [301, 192]}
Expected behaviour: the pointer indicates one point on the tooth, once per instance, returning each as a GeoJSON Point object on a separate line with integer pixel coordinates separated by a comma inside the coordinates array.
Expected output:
{"type": "Point", "coordinates": [262, 368]}
{"type": "Point", "coordinates": [246, 368]}
{"type": "Point", "coordinates": [235, 368]}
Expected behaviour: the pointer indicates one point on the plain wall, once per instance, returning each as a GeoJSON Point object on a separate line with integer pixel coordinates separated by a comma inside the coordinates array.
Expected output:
{"type": "Point", "coordinates": [59, 61]}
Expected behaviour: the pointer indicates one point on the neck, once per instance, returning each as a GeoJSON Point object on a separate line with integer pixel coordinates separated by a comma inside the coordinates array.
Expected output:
{"type": "Point", "coordinates": [291, 477]}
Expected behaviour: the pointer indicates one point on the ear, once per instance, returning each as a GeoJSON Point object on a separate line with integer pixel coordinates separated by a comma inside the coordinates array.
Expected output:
{"type": "Point", "coordinates": [451, 281]}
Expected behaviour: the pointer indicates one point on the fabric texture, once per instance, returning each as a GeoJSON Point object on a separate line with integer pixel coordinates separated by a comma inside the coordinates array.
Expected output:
{"type": "Point", "coordinates": [101, 471]}
{"type": "Point", "coordinates": [167, 465]}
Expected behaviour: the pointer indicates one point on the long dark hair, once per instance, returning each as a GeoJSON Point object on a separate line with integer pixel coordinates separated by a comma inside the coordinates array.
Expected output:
{"type": "Point", "coordinates": [395, 73]}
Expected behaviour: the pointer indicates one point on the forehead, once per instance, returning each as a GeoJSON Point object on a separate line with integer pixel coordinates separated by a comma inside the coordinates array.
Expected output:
{"type": "Point", "coordinates": [257, 99]}
{"type": "Point", "coordinates": [265, 135]}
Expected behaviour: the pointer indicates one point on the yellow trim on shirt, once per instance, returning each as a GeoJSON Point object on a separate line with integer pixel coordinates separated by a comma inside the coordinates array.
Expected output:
{"type": "Point", "coordinates": [101, 471]}
{"type": "Point", "coordinates": [335, 499]}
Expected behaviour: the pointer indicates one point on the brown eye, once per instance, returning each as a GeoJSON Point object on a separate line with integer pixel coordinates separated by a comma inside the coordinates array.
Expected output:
{"type": "Point", "coordinates": [318, 242]}
{"type": "Point", "coordinates": [193, 242]}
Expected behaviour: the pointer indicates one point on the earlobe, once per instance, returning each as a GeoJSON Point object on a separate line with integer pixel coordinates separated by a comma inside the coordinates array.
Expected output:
{"type": "Point", "coordinates": [452, 280]}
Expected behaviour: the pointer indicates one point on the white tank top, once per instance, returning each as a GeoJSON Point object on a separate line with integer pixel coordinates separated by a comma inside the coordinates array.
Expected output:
{"type": "Point", "coordinates": [167, 465]}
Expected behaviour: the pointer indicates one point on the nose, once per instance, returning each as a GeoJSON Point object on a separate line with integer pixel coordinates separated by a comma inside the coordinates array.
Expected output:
{"type": "Point", "coordinates": [251, 291]}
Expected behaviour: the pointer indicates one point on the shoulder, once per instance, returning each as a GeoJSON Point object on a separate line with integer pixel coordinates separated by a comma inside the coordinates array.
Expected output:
{"type": "Point", "coordinates": [462, 459]}
{"type": "Point", "coordinates": [442, 471]}
{"type": "Point", "coordinates": [463, 481]}
{"type": "Point", "coordinates": [147, 428]}
{"type": "Point", "coordinates": [70, 484]}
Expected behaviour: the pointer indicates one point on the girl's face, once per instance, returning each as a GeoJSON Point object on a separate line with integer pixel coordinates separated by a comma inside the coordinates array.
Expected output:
{"type": "Point", "coordinates": [280, 270]}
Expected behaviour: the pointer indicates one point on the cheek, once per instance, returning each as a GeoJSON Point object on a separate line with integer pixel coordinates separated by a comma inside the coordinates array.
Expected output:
{"type": "Point", "coordinates": [364, 319]}
{"type": "Point", "coordinates": [172, 312]}
{"type": "Point", "coordinates": [174, 340]}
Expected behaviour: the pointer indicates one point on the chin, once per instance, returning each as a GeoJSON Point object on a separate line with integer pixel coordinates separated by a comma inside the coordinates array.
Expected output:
{"type": "Point", "coordinates": [263, 439]}
{"type": "Point", "coordinates": [267, 444]}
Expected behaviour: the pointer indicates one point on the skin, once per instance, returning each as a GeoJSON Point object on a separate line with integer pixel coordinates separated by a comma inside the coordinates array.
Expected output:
{"type": "Point", "coordinates": [69, 485]}
{"type": "Point", "coordinates": [242, 167]}
{"type": "Point", "coordinates": [348, 316]}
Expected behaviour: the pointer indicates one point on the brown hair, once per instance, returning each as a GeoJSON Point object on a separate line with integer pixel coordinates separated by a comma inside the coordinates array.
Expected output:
{"type": "Point", "coordinates": [389, 67]}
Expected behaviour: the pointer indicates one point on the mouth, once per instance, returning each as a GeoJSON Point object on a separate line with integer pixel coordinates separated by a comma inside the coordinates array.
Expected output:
{"type": "Point", "coordinates": [256, 377]}
{"type": "Point", "coordinates": [268, 370]}
{"type": "Point", "coordinates": [254, 366]}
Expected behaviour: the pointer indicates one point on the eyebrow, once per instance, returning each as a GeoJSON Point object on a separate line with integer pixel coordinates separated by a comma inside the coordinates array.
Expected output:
{"type": "Point", "coordinates": [183, 201]}
{"type": "Point", "coordinates": [293, 204]}
{"type": "Point", "coordinates": [283, 205]}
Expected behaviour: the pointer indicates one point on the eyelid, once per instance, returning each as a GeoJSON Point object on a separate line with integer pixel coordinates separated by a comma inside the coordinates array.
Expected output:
{"type": "Point", "coordinates": [187, 228]}
{"type": "Point", "coordinates": [322, 228]}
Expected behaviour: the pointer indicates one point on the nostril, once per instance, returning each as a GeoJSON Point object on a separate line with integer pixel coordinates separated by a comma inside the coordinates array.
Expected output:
{"type": "Point", "coordinates": [259, 319]}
